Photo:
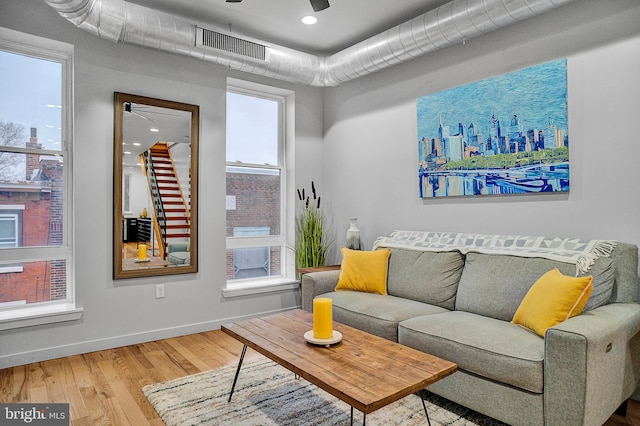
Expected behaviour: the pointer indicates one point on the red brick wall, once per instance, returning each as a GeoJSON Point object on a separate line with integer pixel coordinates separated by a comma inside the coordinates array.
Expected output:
{"type": "Point", "coordinates": [58, 289]}
{"type": "Point", "coordinates": [33, 284]}
{"type": "Point", "coordinates": [39, 281]}
{"type": "Point", "coordinates": [35, 220]}
{"type": "Point", "coordinates": [257, 200]}
{"type": "Point", "coordinates": [53, 170]}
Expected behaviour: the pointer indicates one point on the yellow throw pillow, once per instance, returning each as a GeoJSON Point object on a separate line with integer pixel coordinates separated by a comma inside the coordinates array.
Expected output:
{"type": "Point", "coordinates": [364, 270]}
{"type": "Point", "coordinates": [552, 299]}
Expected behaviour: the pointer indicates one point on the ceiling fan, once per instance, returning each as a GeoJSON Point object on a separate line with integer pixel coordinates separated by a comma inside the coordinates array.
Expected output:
{"type": "Point", "coordinates": [317, 5]}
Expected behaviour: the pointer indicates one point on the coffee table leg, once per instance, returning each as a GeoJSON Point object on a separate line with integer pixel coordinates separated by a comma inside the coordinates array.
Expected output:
{"type": "Point", "coordinates": [364, 418]}
{"type": "Point", "coordinates": [425, 407]}
{"type": "Point", "coordinates": [235, 379]}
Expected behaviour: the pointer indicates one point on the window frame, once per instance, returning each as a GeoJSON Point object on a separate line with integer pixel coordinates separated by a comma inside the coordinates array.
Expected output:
{"type": "Point", "coordinates": [287, 278]}
{"type": "Point", "coordinates": [19, 43]}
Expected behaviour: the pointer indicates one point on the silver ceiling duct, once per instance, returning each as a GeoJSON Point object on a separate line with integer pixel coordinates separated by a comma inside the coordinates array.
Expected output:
{"type": "Point", "coordinates": [454, 22]}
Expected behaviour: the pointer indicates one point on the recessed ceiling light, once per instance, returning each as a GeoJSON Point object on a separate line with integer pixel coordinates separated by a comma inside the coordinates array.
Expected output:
{"type": "Point", "coordinates": [154, 130]}
{"type": "Point", "coordinates": [309, 20]}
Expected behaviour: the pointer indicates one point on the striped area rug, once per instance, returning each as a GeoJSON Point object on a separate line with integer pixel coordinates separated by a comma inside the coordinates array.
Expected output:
{"type": "Point", "coordinates": [268, 394]}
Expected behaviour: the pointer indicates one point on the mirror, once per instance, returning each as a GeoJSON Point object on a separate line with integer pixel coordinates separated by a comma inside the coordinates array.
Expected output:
{"type": "Point", "coordinates": [155, 204]}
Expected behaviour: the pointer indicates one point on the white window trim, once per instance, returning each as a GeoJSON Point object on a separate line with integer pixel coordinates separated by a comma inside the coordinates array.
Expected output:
{"type": "Point", "coordinates": [10, 268]}
{"type": "Point", "coordinates": [287, 281]}
{"type": "Point", "coordinates": [38, 315]}
{"type": "Point", "coordinates": [258, 286]}
{"type": "Point", "coordinates": [63, 310]}
{"type": "Point", "coordinates": [9, 207]}
{"type": "Point", "coordinates": [14, 216]}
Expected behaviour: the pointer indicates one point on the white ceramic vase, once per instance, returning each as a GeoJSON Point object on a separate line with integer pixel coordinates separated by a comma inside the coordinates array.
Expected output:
{"type": "Point", "coordinates": [353, 235]}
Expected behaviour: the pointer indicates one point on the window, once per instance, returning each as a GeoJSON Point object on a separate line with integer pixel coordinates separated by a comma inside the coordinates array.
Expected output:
{"type": "Point", "coordinates": [35, 180]}
{"type": "Point", "coordinates": [9, 230]}
{"type": "Point", "coordinates": [259, 220]}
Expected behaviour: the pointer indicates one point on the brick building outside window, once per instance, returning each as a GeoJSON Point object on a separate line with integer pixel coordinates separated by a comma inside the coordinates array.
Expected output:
{"type": "Point", "coordinates": [36, 205]}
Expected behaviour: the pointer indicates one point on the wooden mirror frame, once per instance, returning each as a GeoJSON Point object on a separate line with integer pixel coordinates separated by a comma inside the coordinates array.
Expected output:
{"type": "Point", "coordinates": [132, 267]}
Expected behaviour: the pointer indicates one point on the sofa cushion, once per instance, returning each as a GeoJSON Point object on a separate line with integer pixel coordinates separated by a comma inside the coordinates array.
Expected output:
{"type": "Point", "coordinates": [364, 270]}
{"type": "Point", "coordinates": [374, 313]}
{"type": "Point", "coordinates": [495, 349]}
{"type": "Point", "coordinates": [429, 277]}
{"type": "Point", "coordinates": [554, 298]}
{"type": "Point", "coordinates": [494, 285]}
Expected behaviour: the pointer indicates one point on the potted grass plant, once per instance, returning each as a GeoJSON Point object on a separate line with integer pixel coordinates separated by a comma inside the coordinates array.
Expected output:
{"type": "Point", "coordinates": [312, 241]}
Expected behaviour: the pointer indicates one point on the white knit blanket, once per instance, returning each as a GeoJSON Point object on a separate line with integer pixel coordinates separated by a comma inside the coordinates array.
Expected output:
{"type": "Point", "coordinates": [582, 253]}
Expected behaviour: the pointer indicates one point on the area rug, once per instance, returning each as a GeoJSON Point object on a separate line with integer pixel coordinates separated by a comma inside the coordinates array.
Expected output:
{"type": "Point", "coordinates": [268, 394]}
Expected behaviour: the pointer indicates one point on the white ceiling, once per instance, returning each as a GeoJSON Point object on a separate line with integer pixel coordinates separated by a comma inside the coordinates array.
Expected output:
{"type": "Point", "coordinates": [345, 23]}
{"type": "Point", "coordinates": [172, 126]}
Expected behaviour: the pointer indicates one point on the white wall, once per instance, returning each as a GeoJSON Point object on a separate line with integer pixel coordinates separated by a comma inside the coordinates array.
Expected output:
{"type": "Point", "coordinates": [370, 152]}
{"type": "Point", "coordinates": [126, 311]}
{"type": "Point", "coordinates": [139, 198]}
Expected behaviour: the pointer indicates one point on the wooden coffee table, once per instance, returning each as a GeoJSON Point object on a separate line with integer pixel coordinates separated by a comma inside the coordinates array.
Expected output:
{"type": "Point", "coordinates": [365, 371]}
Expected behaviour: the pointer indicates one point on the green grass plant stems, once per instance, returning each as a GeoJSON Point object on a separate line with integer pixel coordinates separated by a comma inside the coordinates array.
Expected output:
{"type": "Point", "coordinates": [311, 243]}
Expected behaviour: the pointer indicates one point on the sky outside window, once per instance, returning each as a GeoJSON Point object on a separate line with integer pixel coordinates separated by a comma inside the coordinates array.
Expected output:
{"type": "Point", "coordinates": [29, 99]}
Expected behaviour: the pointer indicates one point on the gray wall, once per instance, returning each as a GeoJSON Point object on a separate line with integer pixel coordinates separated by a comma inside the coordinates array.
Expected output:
{"type": "Point", "coordinates": [122, 312]}
{"type": "Point", "coordinates": [370, 141]}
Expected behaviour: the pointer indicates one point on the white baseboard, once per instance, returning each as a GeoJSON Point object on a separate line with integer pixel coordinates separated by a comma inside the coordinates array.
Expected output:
{"type": "Point", "coordinates": [43, 354]}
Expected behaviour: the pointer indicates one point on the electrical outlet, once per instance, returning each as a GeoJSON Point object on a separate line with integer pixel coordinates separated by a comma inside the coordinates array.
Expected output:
{"type": "Point", "coordinates": [159, 291]}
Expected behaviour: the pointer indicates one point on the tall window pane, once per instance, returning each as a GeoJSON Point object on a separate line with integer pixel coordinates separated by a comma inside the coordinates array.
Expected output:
{"type": "Point", "coordinates": [32, 177]}
{"type": "Point", "coordinates": [254, 187]}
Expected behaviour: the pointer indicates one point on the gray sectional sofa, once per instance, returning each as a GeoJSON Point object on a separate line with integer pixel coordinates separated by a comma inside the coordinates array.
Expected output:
{"type": "Point", "coordinates": [458, 303]}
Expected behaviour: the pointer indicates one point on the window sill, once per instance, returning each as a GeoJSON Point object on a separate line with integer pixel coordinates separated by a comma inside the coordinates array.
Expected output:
{"type": "Point", "coordinates": [267, 285]}
{"type": "Point", "coordinates": [38, 315]}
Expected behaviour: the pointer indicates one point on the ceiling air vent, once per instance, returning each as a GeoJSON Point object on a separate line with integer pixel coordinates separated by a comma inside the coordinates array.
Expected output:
{"type": "Point", "coordinates": [227, 43]}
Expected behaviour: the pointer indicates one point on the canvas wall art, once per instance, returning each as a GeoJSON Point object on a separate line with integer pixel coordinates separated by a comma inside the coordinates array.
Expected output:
{"type": "Point", "coordinates": [503, 135]}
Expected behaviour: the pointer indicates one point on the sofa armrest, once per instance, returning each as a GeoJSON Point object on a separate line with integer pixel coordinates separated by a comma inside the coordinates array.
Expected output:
{"type": "Point", "coordinates": [315, 283]}
{"type": "Point", "coordinates": [592, 364]}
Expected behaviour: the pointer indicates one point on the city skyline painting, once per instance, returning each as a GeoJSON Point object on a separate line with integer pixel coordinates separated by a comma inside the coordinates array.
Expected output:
{"type": "Point", "coordinates": [503, 135]}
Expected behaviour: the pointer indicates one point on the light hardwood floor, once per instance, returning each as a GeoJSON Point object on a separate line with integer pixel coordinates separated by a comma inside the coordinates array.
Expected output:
{"type": "Point", "coordinates": [104, 387]}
